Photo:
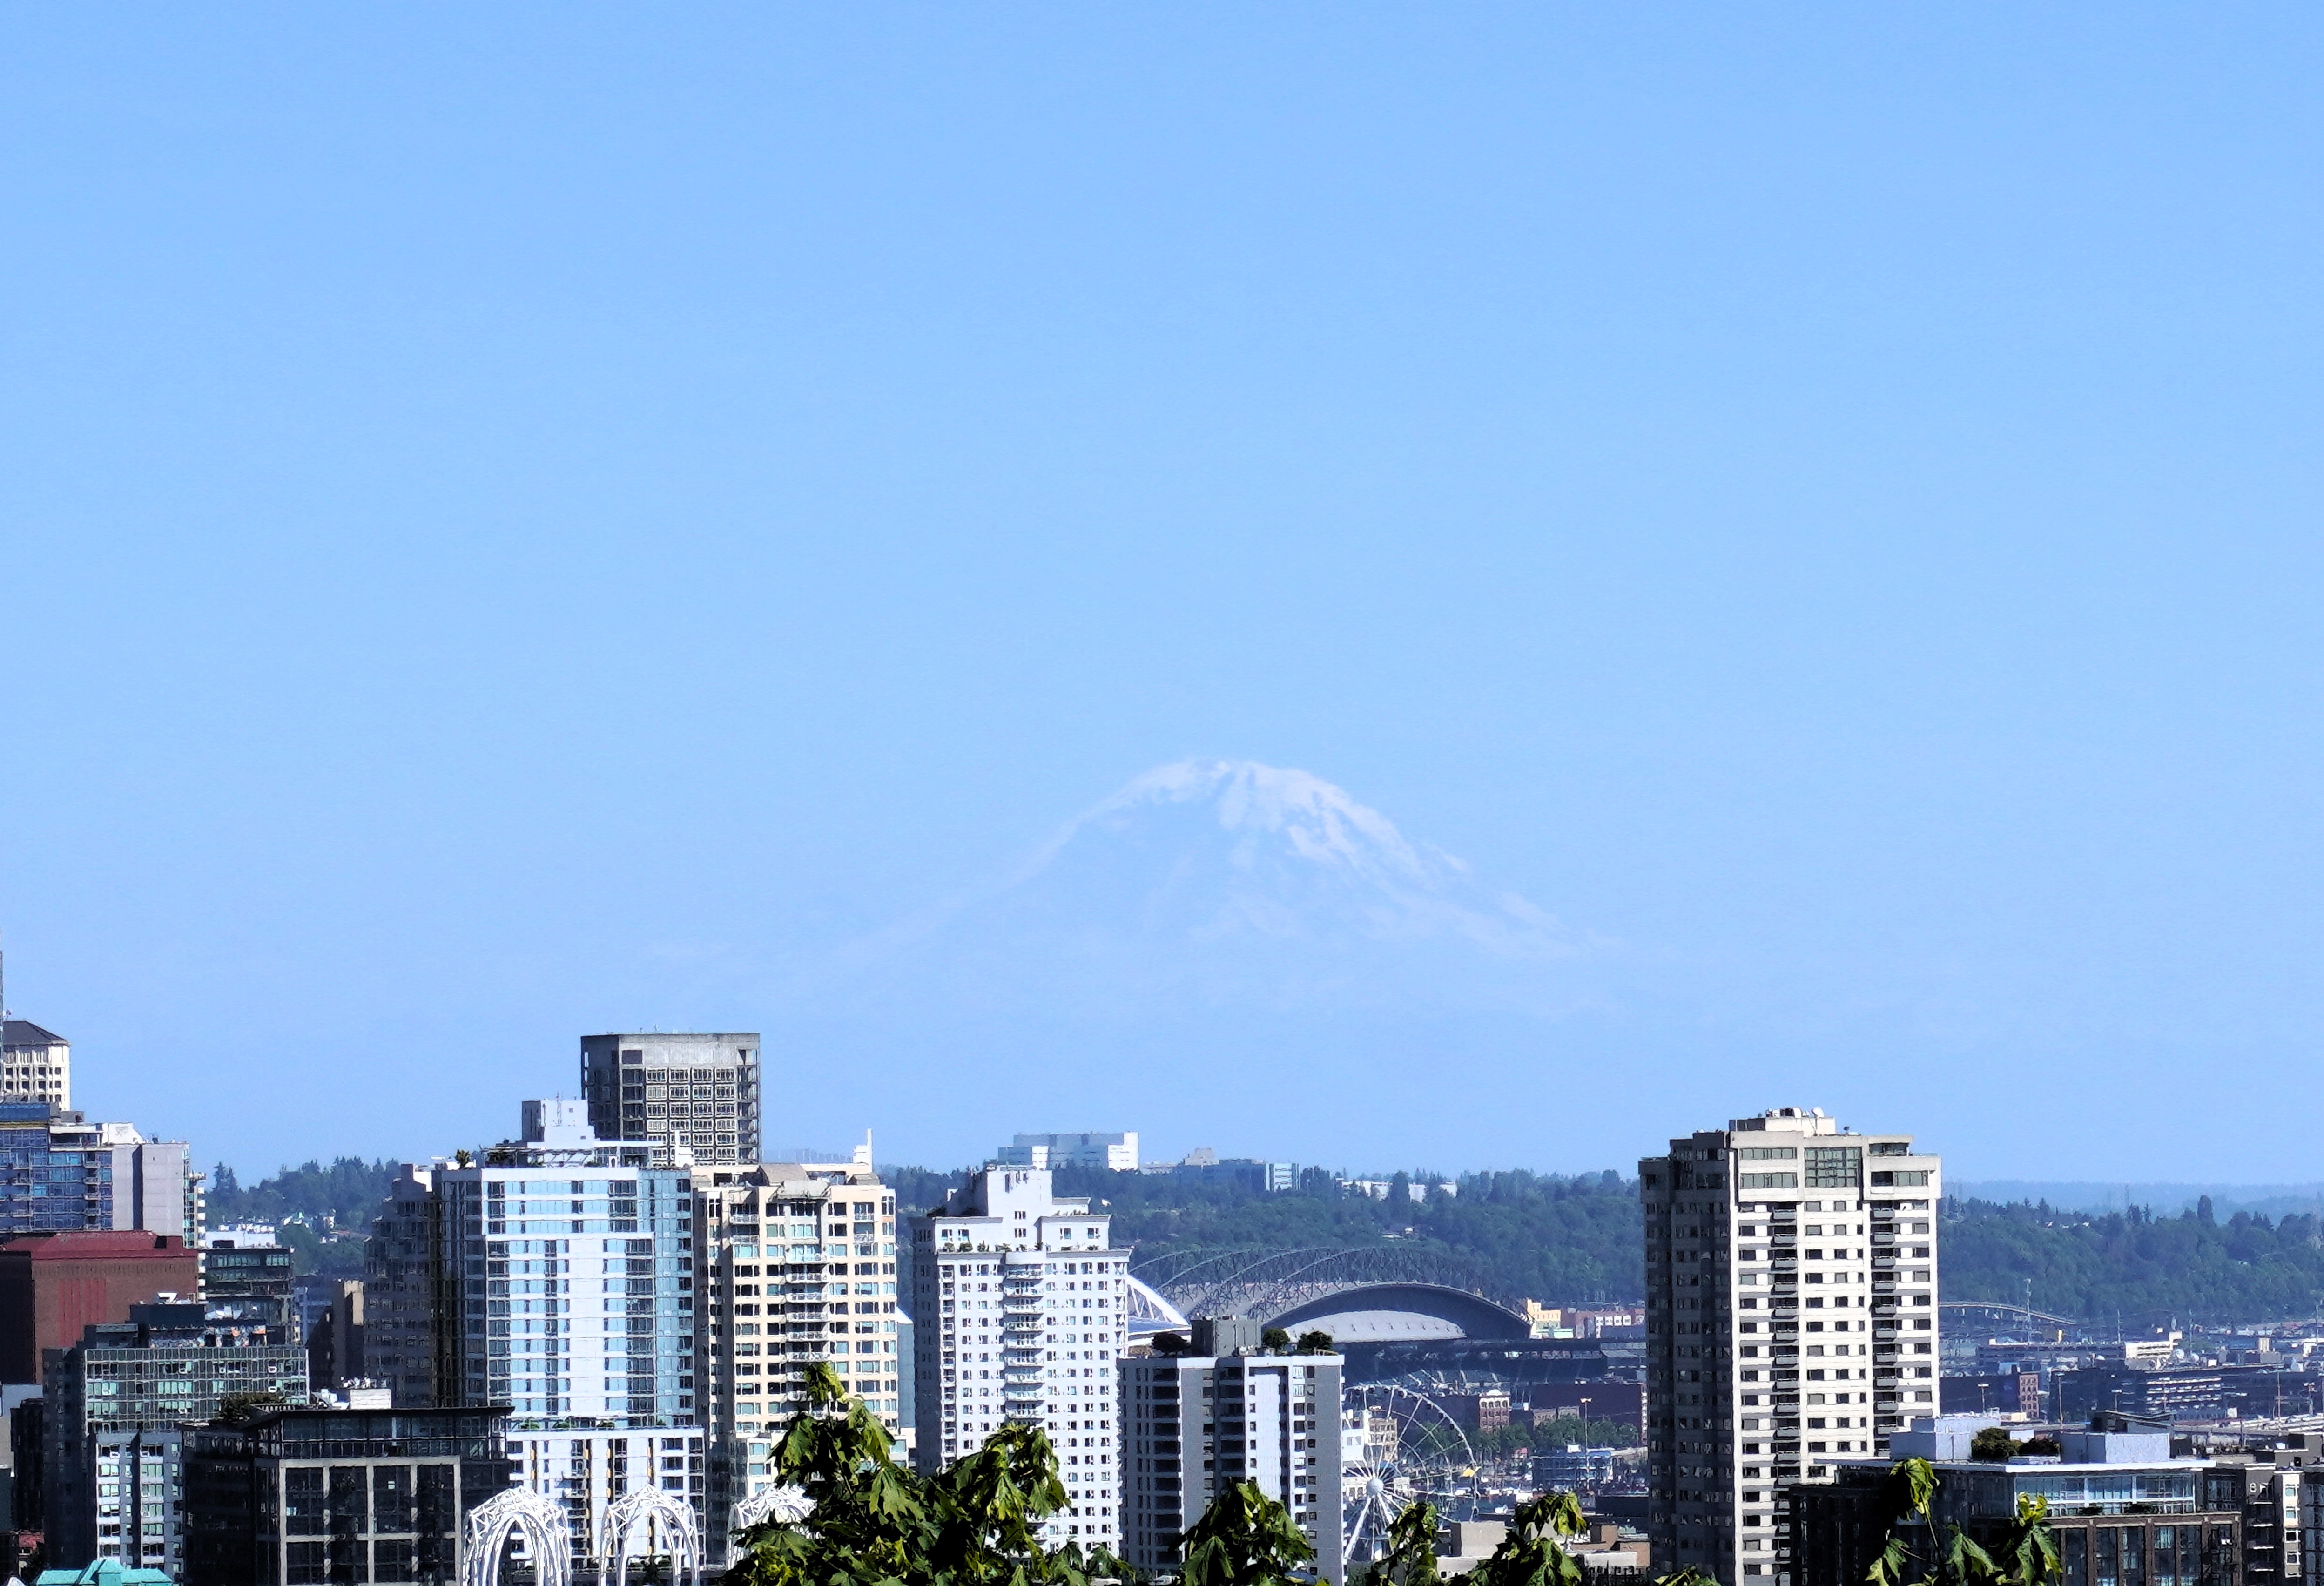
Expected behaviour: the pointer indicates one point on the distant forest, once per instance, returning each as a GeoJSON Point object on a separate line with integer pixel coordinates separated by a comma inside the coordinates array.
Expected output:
{"type": "Point", "coordinates": [2148, 1271]}
{"type": "Point", "coordinates": [1548, 1237]}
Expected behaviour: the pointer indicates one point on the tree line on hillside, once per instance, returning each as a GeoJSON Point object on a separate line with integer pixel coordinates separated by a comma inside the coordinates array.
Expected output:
{"type": "Point", "coordinates": [1552, 1237]}
{"type": "Point", "coordinates": [2147, 1269]}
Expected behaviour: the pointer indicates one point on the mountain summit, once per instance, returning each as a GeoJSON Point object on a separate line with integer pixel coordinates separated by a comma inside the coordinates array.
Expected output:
{"type": "Point", "coordinates": [1227, 881]}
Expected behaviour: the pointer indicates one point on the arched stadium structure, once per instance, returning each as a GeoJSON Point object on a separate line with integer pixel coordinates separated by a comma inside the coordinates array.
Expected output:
{"type": "Point", "coordinates": [1400, 1313]}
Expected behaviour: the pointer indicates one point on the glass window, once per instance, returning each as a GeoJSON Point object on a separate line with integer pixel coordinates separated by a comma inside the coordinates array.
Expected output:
{"type": "Point", "coordinates": [2073, 1555]}
{"type": "Point", "coordinates": [303, 1502]}
{"type": "Point", "coordinates": [2106, 1561]}
{"type": "Point", "coordinates": [304, 1563]}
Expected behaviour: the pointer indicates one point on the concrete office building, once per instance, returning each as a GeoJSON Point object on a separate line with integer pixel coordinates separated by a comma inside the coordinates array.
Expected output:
{"type": "Point", "coordinates": [303, 1497]}
{"type": "Point", "coordinates": [1194, 1424]}
{"type": "Point", "coordinates": [798, 1265]}
{"type": "Point", "coordinates": [693, 1092]}
{"type": "Point", "coordinates": [1020, 1314]}
{"type": "Point", "coordinates": [115, 1402]}
{"type": "Point", "coordinates": [556, 1277]}
{"type": "Point", "coordinates": [1117, 1153]}
{"type": "Point", "coordinates": [35, 1063]}
{"type": "Point", "coordinates": [54, 1286]}
{"type": "Point", "coordinates": [1790, 1320]}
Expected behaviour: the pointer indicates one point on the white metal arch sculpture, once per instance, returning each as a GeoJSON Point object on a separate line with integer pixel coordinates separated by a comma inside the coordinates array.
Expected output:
{"type": "Point", "coordinates": [540, 1519]}
{"type": "Point", "coordinates": [646, 1505]}
{"type": "Point", "coordinates": [785, 1505]}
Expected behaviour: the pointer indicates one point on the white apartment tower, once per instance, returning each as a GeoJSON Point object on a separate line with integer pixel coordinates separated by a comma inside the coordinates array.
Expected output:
{"type": "Point", "coordinates": [798, 1263]}
{"type": "Point", "coordinates": [1018, 1306]}
{"type": "Point", "coordinates": [1194, 1424]}
{"type": "Point", "coordinates": [1791, 1317]}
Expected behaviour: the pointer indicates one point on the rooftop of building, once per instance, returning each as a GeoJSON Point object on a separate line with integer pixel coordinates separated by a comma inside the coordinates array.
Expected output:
{"type": "Point", "coordinates": [105, 1572]}
{"type": "Point", "coordinates": [96, 1244]}
{"type": "Point", "coordinates": [24, 1032]}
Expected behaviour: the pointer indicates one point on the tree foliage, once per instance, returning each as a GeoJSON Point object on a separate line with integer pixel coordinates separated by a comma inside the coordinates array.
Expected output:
{"type": "Point", "coordinates": [874, 1523]}
{"type": "Point", "coordinates": [2024, 1552]}
{"type": "Point", "coordinates": [1244, 1538]}
{"type": "Point", "coordinates": [2146, 1268]}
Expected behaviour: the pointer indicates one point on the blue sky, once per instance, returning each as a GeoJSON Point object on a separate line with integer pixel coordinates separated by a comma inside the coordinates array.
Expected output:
{"type": "Point", "coordinates": [529, 520]}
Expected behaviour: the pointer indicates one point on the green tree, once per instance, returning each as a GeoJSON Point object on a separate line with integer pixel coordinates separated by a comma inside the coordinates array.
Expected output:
{"type": "Point", "coordinates": [1275, 1338]}
{"type": "Point", "coordinates": [1411, 1556]}
{"type": "Point", "coordinates": [1534, 1552]}
{"type": "Point", "coordinates": [874, 1523]}
{"type": "Point", "coordinates": [1245, 1538]}
{"type": "Point", "coordinates": [1992, 1444]}
{"type": "Point", "coordinates": [1315, 1344]}
{"type": "Point", "coordinates": [2025, 1552]}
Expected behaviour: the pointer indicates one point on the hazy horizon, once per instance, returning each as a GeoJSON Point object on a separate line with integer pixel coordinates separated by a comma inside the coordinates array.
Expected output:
{"type": "Point", "coordinates": [1492, 585]}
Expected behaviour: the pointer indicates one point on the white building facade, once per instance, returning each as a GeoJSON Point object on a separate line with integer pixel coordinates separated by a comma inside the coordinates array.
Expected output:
{"type": "Point", "coordinates": [798, 1267]}
{"type": "Point", "coordinates": [1790, 1320]}
{"type": "Point", "coordinates": [1196, 1423]}
{"type": "Point", "coordinates": [1021, 1316]}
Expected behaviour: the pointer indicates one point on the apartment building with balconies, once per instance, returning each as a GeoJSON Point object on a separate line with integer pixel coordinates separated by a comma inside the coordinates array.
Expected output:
{"type": "Point", "coordinates": [1791, 1321]}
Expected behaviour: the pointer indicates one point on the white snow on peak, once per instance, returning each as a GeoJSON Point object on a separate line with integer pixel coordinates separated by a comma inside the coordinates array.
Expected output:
{"type": "Point", "coordinates": [1319, 821]}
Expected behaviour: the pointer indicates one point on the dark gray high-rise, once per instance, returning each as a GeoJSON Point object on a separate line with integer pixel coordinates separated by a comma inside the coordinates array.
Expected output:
{"type": "Point", "coordinates": [696, 1091]}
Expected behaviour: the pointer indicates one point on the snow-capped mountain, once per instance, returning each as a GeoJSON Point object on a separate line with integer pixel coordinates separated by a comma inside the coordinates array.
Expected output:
{"type": "Point", "coordinates": [1217, 881]}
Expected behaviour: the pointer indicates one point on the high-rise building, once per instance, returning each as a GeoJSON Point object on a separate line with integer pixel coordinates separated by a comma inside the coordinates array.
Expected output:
{"type": "Point", "coordinates": [52, 1285]}
{"type": "Point", "coordinates": [556, 1277]}
{"type": "Point", "coordinates": [1115, 1152]}
{"type": "Point", "coordinates": [1019, 1311]}
{"type": "Point", "coordinates": [35, 1063]}
{"type": "Point", "coordinates": [1194, 1424]}
{"type": "Point", "coordinates": [116, 1401]}
{"type": "Point", "coordinates": [798, 1262]}
{"type": "Point", "coordinates": [1791, 1319]}
{"type": "Point", "coordinates": [699, 1092]}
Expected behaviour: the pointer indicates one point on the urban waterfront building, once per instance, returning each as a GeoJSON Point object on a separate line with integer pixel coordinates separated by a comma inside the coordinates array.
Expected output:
{"type": "Point", "coordinates": [115, 1401]}
{"type": "Point", "coordinates": [1791, 1321]}
{"type": "Point", "coordinates": [304, 1496]}
{"type": "Point", "coordinates": [1020, 1309]}
{"type": "Point", "coordinates": [35, 1063]}
{"type": "Point", "coordinates": [695, 1093]}
{"type": "Point", "coordinates": [1117, 1153]}
{"type": "Point", "coordinates": [556, 1277]}
{"type": "Point", "coordinates": [798, 1263]}
{"type": "Point", "coordinates": [54, 1285]}
{"type": "Point", "coordinates": [1194, 1424]}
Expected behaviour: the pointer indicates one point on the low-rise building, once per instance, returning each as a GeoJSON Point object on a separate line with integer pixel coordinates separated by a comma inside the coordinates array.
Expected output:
{"type": "Point", "coordinates": [1116, 1153]}
{"type": "Point", "coordinates": [304, 1496]}
{"type": "Point", "coordinates": [2121, 1509]}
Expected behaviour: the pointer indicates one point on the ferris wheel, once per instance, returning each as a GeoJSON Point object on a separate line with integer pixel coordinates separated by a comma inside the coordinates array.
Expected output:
{"type": "Point", "coordinates": [1392, 1439]}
